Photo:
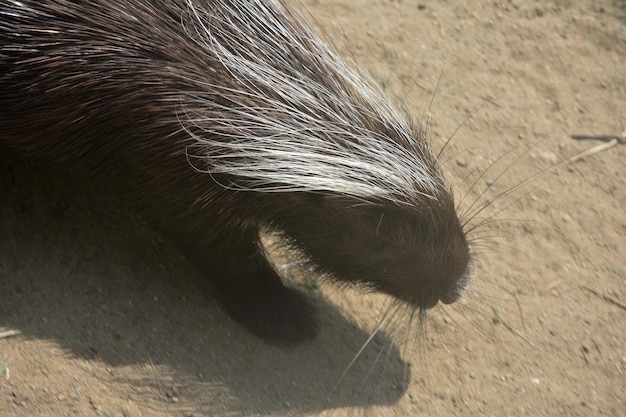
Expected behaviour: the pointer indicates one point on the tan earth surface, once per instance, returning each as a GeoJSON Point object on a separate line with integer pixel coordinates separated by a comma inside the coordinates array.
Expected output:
{"type": "Point", "coordinates": [113, 322]}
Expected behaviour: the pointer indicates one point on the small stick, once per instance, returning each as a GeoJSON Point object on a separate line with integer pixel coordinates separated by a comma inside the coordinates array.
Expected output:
{"type": "Point", "coordinates": [605, 138]}
{"type": "Point", "coordinates": [595, 150]}
{"type": "Point", "coordinates": [604, 297]}
{"type": "Point", "coordinates": [9, 333]}
{"type": "Point", "coordinates": [611, 140]}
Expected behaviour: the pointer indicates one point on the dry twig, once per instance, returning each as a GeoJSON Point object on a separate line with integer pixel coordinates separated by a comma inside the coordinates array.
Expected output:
{"type": "Point", "coordinates": [611, 140]}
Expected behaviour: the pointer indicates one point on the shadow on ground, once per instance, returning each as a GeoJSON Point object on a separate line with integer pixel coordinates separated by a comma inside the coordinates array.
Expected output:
{"type": "Point", "coordinates": [80, 272]}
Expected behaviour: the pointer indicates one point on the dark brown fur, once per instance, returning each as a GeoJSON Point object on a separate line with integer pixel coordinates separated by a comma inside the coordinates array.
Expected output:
{"type": "Point", "coordinates": [90, 91]}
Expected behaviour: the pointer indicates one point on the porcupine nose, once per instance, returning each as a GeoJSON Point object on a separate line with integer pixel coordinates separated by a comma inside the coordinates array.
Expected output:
{"type": "Point", "coordinates": [458, 287]}
{"type": "Point", "coordinates": [446, 292]}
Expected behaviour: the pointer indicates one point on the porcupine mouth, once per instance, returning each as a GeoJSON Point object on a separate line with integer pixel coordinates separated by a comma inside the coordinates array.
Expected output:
{"type": "Point", "coordinates": [451, 293]}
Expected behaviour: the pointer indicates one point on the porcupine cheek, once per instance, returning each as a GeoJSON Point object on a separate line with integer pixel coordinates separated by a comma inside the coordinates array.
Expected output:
{"type": "Point", "coordinates": [384, 249]}
{"type": "Point", "coordinates": [424, 288]}
{"type": "Point", "coordinates": [421, 272]}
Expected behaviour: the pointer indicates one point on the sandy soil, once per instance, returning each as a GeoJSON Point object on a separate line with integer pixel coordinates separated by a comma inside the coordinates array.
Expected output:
{"type": "Point", "coordinates": [113, 324]}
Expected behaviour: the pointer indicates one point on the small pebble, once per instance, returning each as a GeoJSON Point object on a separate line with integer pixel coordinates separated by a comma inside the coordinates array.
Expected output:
{"type": "Point", "coordinates": [548, 157]}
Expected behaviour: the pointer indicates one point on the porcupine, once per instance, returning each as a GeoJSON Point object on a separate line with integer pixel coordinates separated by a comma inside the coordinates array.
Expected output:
{"type": "Point", "coordinates": [216, 120]}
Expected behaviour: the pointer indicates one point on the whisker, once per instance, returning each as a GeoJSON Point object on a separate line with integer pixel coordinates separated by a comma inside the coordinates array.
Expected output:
{"type": "Point", "coordinates": [358, 354]}
{"type": "Point", "coordinates": [460, 125]}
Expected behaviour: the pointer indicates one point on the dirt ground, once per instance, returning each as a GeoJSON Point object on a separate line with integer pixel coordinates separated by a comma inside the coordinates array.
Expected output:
{"type": "Point", "coordinates": [113, 324]}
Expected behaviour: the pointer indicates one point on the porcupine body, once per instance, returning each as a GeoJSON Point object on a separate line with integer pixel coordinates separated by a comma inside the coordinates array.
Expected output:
{"type": "Point", "coordinates": [218, 119]}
